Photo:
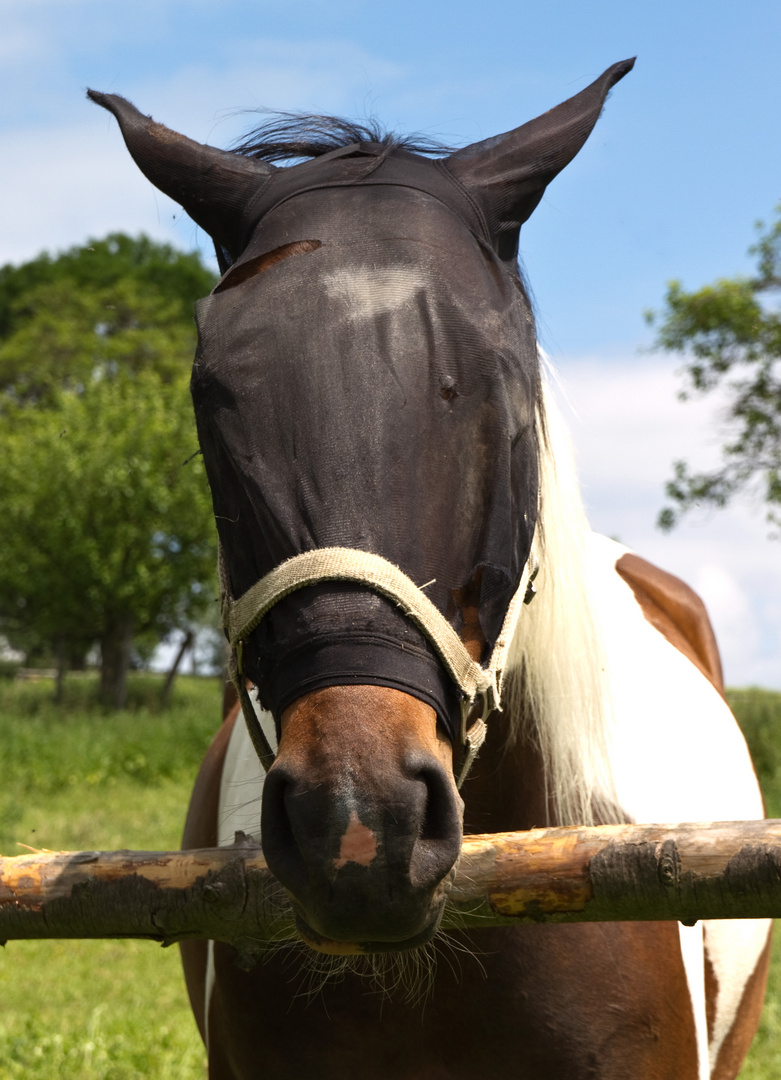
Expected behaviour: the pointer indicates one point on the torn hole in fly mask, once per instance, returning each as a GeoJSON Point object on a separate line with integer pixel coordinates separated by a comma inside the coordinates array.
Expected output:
{"type": "Point", "coordinates": [242, 272]}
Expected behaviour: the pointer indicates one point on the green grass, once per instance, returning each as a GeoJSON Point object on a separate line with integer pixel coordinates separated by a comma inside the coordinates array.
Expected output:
{"type": "Point", "coordinates": [764, 1058]}
{"type": "Point", "coordinates": [95, 1009]}
{"type": "Point", "coordinates": [78, 778]}
{"type": "Point", "coordinates": [75, 777]}
{"type": "Point", "coordinates": [759, 715]}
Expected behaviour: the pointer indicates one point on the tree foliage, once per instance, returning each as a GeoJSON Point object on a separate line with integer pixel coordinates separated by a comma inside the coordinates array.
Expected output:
{"type": "Point", "coordinates": [730, 332]}
{"type": "Point", "coordinates": [106, 532]}
{"type": "Point", "coordinates": [158, 269]}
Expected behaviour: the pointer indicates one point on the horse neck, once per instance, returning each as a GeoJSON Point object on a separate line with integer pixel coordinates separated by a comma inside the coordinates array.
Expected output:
{"type": "Point", "coordinates": [547, 758]}
{"type": "Point", "coordinates": [506, 790]}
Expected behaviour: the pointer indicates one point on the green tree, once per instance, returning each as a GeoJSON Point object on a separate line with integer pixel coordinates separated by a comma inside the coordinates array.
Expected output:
{"type": "Point", "coordinates": [158, 269]}
{"type": "Point", "coordinates": [730, 333]}
{"type": "Point", "coordinates": [106, 532]}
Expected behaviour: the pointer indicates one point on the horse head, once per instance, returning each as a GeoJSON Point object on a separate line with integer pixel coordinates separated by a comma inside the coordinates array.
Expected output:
{"type": "Point", "coordinates": [366, 380]}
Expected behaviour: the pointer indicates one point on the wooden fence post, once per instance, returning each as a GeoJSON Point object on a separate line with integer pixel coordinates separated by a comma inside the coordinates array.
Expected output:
{"type": "Point", "coordinates": [686, 872]}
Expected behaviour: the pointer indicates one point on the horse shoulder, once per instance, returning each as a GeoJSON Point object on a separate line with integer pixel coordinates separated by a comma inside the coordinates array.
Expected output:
{"type": "Point", "coordinates": [677, 751]}
{"type": "Point", "coordinates": [676, 611]}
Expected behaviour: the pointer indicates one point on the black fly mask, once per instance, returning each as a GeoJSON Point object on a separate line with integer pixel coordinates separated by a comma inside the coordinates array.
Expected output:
{"type": "Point", "coordinates": [363, 395]}
{"type": "Point", "coordinates": [366, 378]}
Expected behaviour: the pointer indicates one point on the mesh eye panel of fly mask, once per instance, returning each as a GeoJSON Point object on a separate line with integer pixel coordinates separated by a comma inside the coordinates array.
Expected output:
{"type": "Point", "coordinates": [374, 390]}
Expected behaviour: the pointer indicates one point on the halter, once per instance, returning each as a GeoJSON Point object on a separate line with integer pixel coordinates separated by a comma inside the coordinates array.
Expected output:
{"type": "Point", "coordinates": [478, 684]}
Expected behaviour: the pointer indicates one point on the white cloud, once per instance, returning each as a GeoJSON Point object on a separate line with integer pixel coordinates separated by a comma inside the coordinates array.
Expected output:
{"type": "Point", "coordinates": [730, 608]}
{"type": "Point", "coordinates": [208, 101]}
{"type": "Point", "coordinates": [613, 400]}
{"type": "Point", "coordinates": [628, 428]}
{"type": "Point", "coordinates": [20, 45]}
{"type": "Point", "coordinates": [74, 183]}
{"type": "Point", "coordinates": [70, 177]}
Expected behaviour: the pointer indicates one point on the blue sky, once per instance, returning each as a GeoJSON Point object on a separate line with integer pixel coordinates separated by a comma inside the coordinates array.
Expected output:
{"type": "Point", "coordinates": [684, 160]}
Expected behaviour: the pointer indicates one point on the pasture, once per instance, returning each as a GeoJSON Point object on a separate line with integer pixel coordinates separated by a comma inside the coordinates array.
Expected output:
{"type": "Point", "coordinates": [79, 778]}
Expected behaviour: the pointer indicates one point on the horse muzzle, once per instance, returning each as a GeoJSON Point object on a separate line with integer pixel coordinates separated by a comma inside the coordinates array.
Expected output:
{"type": "Point", "coordinates": [362, 829]}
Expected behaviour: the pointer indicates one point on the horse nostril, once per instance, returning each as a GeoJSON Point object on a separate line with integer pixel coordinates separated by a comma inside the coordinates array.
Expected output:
{"type": "Point", "coordinates": [442, 813]}
{"type": "Point", "coordinates": [280, 846]}
{"type": "Point", "coordinates": [439, 842]}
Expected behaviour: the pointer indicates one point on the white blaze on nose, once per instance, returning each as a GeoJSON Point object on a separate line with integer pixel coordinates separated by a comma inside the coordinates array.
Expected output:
{"type": "Point", "coordinates": [359, 844]}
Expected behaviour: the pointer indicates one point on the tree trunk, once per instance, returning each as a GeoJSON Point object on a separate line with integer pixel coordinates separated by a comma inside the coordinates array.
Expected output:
{"type": "Point", "coordinates": [165, 697]}
{"type": "Point", "coordinates": [115, 646]}
{"type": "Point", "coordinates": [61, 654]}
{"type": "Point", "coordinates": [76, 655]}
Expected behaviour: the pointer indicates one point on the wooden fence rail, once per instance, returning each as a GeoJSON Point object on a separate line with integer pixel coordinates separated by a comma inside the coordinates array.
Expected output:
{"type": "Point", "coordinates": [710, 870]}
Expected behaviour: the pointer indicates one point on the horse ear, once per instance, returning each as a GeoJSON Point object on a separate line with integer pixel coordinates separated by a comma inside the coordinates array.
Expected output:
{"type": "Point", "coordinates": [214, 186]}
{"type": "Point", "coordinates": [509, 173]}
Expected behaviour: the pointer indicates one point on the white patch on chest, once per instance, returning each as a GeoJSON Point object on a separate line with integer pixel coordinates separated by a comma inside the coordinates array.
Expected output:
{"type": "Point", "coordinates": [241, 789]}
{"type": "Point", "coordinates": [368, 292]}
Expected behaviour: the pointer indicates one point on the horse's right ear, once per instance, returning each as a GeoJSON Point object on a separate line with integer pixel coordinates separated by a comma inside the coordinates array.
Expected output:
{"type": "Point", "coordinates": [212, 185]}
{"type": "Point", "coordinates": [508, 174]}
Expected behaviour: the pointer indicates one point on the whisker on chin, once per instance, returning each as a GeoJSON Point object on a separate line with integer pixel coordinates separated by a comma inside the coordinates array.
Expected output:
{"type": "Point", "coordinates": [408, 975]}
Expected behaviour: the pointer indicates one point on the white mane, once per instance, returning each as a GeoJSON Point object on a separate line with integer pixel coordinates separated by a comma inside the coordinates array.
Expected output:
{"type": "Point", "coordinates": [557, 690]}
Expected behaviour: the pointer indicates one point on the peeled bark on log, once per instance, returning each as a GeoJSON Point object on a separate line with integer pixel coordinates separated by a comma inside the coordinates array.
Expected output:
{"type": "Point", "coordinates": [721, 870]}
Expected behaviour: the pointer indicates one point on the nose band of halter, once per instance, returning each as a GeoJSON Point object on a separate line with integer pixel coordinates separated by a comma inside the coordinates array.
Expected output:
{"type": "Point", "coordinates": [337, 659]}
{"type": "Point", "coordinates": [477, 684]}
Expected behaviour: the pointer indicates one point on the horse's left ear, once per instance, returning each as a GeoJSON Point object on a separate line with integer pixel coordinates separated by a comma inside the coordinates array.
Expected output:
{"type": "Point", "coordinates": [509, 173]}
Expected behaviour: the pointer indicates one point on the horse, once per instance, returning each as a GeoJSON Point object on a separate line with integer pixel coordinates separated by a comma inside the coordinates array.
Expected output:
{"type": "Point", "coordinates": [392, 485]}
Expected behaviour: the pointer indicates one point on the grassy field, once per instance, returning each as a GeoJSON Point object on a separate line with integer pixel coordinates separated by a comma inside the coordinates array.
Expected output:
{"type": "Point", "coordinates": [759, 715]}
{"type": "Point", "coordinates": [77, 778]}
{"type": "Point", "coordinates": [98, 1010]}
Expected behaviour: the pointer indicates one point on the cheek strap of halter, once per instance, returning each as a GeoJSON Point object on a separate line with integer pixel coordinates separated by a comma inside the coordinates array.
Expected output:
{"type": "Point", "coordinates": [481, 686]}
